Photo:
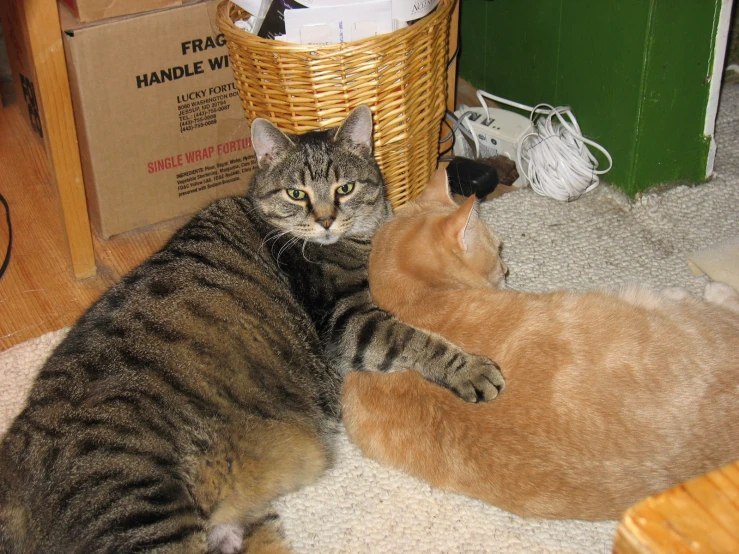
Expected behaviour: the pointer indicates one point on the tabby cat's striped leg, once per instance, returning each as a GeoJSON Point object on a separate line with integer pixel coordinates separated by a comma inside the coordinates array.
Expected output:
{"type": "Point", "coordinates": [247, 467]}
{"type": "Point", "coordinates": [266, 537]}
{"type": "Point", "coordinates": [361, 336]}
{"type": "Point", "coordinates": [261, 537]}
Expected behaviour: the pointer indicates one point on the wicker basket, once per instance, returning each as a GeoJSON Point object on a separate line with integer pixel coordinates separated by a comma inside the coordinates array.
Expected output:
{"type": "Point", "coordinates": [401, 76]}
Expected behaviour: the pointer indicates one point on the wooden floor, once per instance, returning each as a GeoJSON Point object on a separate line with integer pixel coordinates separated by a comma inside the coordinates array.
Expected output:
{"type": "Point", "coordinates": [38, 293]}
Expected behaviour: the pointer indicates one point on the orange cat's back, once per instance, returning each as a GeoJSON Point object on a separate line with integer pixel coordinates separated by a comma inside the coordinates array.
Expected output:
{"type": "Point", "coordinates": [610, 396]}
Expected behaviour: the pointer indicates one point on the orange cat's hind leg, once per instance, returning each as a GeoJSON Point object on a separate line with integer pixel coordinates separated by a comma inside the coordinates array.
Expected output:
{"type": "Point", "coordinates": [676, 293]}
{"type": "Point", "coordinates": [723, 295]}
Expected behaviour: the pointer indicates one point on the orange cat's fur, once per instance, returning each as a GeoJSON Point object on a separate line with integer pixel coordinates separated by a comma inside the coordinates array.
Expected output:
{"type": "Point", "coordinates": [610, 396]}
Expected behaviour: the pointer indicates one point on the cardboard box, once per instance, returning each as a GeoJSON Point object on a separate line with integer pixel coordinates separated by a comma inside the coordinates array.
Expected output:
{"type": "Point", "coordinates": [160, 124]}
{"type": "Point", "coordinates": [15, 28]}
{"type": "Point", "coordinates": [93, 10]}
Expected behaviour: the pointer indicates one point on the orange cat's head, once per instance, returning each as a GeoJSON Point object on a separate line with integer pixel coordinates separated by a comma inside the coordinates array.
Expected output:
{"type": "Point", "coordinates": [437, 243]}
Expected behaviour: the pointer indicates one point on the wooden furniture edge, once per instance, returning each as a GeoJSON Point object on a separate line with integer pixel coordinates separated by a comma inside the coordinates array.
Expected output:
{"type": "Point", "coordinates": [700, 516]}
{"type": "Point", "coordinates": [44, 32]}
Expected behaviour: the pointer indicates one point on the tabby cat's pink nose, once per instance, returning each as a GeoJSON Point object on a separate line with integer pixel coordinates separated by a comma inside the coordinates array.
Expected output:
{"type": "Point", "coordinates": [326, 221]}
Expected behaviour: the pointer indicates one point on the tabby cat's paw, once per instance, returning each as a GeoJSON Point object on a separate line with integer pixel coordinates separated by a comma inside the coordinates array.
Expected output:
{"type": "Point", "coordinates": [225, 538]}
{"type": "Point", "coordinates": [478, 380]}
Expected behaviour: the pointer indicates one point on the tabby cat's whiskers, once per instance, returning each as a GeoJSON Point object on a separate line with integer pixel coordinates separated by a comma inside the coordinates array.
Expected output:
{"type": "Point", "coordinates": [273, 235]}
{"type": "Point", "coordinates": [290, 243]}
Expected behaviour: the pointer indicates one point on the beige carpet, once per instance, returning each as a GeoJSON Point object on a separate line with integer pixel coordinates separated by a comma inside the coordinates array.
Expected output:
{"type": "Point", "coordinates": [601, 239]}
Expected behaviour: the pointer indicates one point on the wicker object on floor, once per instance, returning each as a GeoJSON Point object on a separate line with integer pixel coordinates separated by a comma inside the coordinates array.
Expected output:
{"type": "Point", "coordinates": [401, 76]}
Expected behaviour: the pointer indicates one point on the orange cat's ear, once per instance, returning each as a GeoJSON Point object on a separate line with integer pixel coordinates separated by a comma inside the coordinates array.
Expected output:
{"type": "Point", "coordinates": [437, 191]}
{"type": "Point", "coordinates": [459, 226]}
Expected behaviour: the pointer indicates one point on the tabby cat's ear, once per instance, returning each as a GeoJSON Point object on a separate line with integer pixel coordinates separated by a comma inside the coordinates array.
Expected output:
{"type": "Point", "coordinates": [269, 142]}
{"type": "Point", "coordinates": [355, 134]}
{"type": "Point", "coordinates": [461, 224]}
{"type": "Point", "coordinates": [437, 191]}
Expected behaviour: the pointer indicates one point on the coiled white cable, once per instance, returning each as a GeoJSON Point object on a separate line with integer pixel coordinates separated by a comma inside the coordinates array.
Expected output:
{"type": "Point", "coordinates": [554, 156]}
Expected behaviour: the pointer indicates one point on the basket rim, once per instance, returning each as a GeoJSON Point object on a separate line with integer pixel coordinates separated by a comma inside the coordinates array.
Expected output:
{"type": "Point", "coordinates": [226, 24]}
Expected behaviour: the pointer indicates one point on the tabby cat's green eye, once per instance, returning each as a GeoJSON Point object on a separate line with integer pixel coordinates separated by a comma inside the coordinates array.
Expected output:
{"type": "Point", "coordinates": [296, 194]}
{"type": "Point", "coordinates": [343, 190]}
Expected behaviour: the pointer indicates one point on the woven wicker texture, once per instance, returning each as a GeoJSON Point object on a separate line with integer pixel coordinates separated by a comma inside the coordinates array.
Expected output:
{"type": "Point", "coordinates": [401, 76]}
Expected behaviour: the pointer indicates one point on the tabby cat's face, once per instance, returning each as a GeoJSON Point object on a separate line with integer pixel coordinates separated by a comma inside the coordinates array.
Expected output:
{"type": "Point", "coordinates": [322, 185]}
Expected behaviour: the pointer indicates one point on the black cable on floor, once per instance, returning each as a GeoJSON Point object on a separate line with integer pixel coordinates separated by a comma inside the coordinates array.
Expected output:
{"type": "Point", "coordinates": [10, 237]}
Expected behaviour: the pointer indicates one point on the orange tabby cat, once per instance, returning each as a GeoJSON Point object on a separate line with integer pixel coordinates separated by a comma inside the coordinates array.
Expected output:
{"type": "Point", "coordinates": [610, 396]}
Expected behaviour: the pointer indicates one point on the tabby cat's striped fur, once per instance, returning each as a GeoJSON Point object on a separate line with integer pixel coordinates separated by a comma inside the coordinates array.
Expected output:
{"type": "Point", "coordinates": [199, 389]}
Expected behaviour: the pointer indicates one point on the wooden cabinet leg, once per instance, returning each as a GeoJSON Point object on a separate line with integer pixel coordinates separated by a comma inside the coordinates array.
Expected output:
{"type": "Point", "coordinates": [60, 134]}
{"type": "Point", "coordinates": [451, 97]}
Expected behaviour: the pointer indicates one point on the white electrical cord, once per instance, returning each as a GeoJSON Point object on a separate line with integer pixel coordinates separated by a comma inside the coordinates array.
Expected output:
{"type": "Point", "coordinates": [554, 156]}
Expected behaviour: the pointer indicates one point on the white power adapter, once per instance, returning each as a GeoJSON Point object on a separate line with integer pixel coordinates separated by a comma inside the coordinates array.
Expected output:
{"type": "Point", "coordinates": [550, 151]}
{"type": "Point", "coordinates": [494, 132]}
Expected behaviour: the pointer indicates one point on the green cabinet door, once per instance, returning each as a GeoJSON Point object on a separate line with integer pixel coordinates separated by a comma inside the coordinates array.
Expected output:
{"type": "Point", "coordinates": [642, 76]}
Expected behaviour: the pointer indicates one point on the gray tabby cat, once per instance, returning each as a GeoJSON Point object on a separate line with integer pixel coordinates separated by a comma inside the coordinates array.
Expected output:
{"type": "Point", "coordinates": [197, 390]}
